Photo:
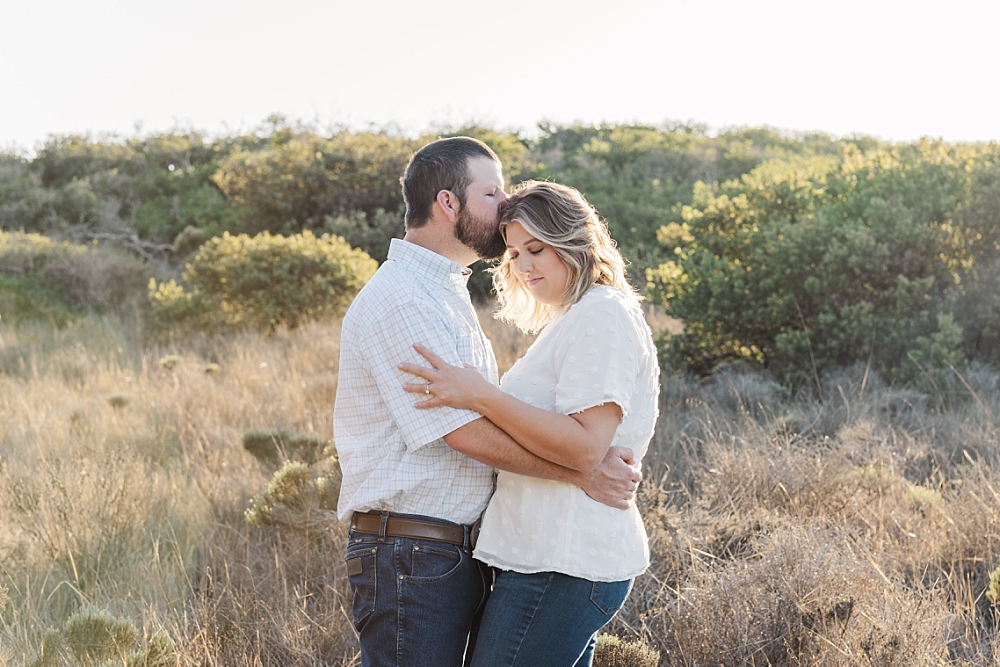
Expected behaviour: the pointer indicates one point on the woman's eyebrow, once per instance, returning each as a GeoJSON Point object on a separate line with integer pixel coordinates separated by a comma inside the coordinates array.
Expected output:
{"type": "Point", "coordinates": [532, 239]}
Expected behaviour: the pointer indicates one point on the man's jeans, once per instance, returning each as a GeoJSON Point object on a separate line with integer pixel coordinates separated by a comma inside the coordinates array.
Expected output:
{"type": "Point", "coordinates": [415, 601]}
{"type": "Point", "coordinates": [545, 620]}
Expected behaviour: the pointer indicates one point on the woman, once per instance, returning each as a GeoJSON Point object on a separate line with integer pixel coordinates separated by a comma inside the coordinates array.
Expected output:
{"type": "Point", "coordinates": [565, 562]}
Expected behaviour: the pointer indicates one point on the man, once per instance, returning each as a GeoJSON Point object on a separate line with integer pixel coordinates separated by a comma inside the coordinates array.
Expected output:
{"type": "Point", "coordinates": [416, 481]}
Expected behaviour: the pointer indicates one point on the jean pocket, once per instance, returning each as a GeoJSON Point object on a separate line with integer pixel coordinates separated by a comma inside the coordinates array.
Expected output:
{"type": "Point", "coordinates": [361, 573]}
{"type": "Point", "coordinates": [433, 562]}
{"type": "Point", "coordinates": [609, 596]}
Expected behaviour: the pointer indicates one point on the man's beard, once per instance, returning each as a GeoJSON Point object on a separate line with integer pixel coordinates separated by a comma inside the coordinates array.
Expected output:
{"type": "Point", "coordinates": [479, 235]}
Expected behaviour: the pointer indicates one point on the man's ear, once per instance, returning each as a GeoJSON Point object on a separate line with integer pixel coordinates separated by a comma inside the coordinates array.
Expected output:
{"type": "Point", "coordinates": [449, 204]}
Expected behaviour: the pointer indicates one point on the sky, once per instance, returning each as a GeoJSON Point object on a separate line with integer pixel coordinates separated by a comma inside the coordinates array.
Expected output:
{"type": "Point", "coordinates": [896, 69]}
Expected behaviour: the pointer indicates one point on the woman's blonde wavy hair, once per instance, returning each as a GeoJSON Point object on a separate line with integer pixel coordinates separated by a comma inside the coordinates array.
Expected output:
{"type": "Point", "coordinates": [559, 216]}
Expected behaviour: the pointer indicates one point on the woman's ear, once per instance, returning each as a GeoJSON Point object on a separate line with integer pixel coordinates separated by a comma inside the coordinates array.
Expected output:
{"type": "Point", "coordinates": [449, 204]}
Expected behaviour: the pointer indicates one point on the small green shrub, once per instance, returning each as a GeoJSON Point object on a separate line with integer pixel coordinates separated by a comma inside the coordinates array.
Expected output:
{"type": "Point", "coordinates": [271, 447]}
{"type": "Point", "coordinates": [613, 652]}
{"type": "Point", "coordinates": [263, 282]}
{"type": "Point", "coordinates": [170, 362]}
{"type": "Point", "coordinates": [298, 496]}
{"type": "Point", "coordinates": [118, 401]}
{"type": "Point", "coordinates": [159, 653]}
{"type": "Point", "coordinates": [95, 635]}
{"type": "Point", "coordinates": [993, 590]}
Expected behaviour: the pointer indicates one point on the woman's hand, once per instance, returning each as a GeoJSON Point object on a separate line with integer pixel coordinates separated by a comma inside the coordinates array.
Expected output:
{"type": "Point", "coordinates": [447, 385]}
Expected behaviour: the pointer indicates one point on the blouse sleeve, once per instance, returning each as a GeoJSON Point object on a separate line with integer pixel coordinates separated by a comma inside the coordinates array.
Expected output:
{"type": "Point", "coordinates": [597, 358]}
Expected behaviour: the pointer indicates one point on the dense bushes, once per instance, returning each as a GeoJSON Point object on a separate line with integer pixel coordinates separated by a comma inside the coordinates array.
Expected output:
{"type": "Point", "coordinates": [799, 252]}
{"type": "Point", "coordinates": [263, 282]}
{"type": "Point", "coordinates": [142, 193]}
{"type": "Point", "coordinates": [42, 277]}
{"type": "Point", "coordinates": [887, 255]}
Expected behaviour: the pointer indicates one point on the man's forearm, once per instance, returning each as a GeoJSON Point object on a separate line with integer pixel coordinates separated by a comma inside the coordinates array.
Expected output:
{"type": "Point", "coordinates": [484, 441]}
{"type": "Point", "coordinates": [612, 483]}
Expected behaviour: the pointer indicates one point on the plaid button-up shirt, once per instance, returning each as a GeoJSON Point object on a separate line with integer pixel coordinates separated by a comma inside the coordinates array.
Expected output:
{"type": "Point", "coordinates": [392, 455]}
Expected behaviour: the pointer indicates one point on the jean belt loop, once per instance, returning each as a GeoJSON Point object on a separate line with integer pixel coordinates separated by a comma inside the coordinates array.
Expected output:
{"type": "Point", "coordinates": [467, 530]}
{"type": "Point", "coordinates": [382, 524]}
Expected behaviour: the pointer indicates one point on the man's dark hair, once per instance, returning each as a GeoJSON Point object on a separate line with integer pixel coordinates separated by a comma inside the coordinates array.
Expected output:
{"type": "Point", "coordinates": [440, 165]}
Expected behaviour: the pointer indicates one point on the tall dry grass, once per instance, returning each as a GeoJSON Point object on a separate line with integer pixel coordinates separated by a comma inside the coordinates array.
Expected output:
{"type": "Point", "coordinates": [860, 528]}
{"type": "Point", "coordinates": [852, 524]}
{"type": "Point", "coordinates": [123, 484]}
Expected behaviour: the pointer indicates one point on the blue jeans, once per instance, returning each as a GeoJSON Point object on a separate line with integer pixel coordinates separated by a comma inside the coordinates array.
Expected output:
{"type": "Point", "coordinates": [415, 601]}
{"type": "Point", "coordinates": [545, 620]}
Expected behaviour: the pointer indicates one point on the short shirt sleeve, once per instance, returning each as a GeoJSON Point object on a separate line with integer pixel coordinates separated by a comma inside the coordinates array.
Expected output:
{"type": "Point", "coordinates": [597, 360]}
{"type": "Point", "coordinates": [390, 343]}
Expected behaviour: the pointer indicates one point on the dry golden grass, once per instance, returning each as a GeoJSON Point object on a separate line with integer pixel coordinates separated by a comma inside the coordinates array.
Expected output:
{"type": "Point", "coordinates": [123, 483]}
{"type": "Point", "coordinates": [785, 530]}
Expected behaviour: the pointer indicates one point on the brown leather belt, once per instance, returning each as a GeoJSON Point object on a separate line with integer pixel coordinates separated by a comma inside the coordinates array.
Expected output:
{"type": "Point", "coordinates": [414, 528]}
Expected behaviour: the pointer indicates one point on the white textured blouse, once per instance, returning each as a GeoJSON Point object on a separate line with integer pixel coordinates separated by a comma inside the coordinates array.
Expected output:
{"type": "Point", "coordinates": [599, 351]}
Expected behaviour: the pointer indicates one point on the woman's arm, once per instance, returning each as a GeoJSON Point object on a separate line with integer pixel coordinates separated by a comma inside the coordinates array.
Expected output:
{"type": "Point", "coordinates": [578, 441]}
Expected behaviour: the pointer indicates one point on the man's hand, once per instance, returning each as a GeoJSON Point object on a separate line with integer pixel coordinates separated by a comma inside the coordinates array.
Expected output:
{"type": "Point", "coordinates": [615, 480]}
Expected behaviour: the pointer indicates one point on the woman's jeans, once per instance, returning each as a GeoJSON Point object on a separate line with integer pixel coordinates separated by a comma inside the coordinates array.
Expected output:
{"type": "Point", "coordinates": [545, 619]}
{"type": "Point", "coordinates": [415, 601]}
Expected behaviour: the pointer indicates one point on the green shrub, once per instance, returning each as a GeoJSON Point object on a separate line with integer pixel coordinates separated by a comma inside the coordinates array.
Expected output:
{"type": "Point", "coordinates": [91, 276]}
{"type": "Point", "coordinates": [95, 635]}
{"type": "Point", "coordinates": [296, 178]}
{"type": "Point", "coordinates": [993, 590]}
{"type": "Point", "coordinates": [263, 282]}
{"type": "Point", "coordinates": [20, 303]}
{"type": "Point", "coordinates": [371, 233]}
{"type": "Point", "coordinates": [611, 651]}
{"type": "Point", "coordinates": [271, 447]}
{"type": "Point", "coordinates": [298, 496]}
{"type": "Point", "coordinates": [811, 264]}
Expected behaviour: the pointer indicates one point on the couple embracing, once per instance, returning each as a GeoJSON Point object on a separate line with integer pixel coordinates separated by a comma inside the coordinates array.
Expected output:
{"type": "Point", "coordinates": [492, 523]}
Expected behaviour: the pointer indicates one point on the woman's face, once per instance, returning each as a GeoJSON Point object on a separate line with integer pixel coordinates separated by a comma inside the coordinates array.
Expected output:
{"type": "Point", "coordinates": [537, 265]}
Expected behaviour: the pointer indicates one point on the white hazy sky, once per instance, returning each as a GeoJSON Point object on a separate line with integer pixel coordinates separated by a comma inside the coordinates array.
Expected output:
{"type": "Point", "coordinates": [898, 69]}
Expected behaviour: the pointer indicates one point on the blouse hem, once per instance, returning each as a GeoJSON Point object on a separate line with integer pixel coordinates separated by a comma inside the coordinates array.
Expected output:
{"type": "Point", "coordinates": [525, 569]}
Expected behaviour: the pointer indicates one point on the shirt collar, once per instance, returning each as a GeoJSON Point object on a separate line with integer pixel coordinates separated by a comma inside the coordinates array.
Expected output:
{"type": "Point", "coordinates": [428, 263]}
